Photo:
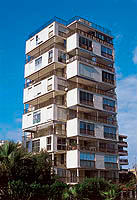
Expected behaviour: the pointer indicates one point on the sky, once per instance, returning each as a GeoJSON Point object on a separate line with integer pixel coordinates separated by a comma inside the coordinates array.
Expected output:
{"type": "Point", "coordinates": [19, 18]}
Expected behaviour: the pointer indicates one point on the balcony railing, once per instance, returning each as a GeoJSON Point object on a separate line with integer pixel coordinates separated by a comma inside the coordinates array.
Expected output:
{"type": "Point", "coordinates": [110, 136]}
{"type": "Point", "coordinates": [88, 103]}
{"type": "Point", "coordinates": [107, 150]}
{"type": "Point", "coordinates": [112, 82]}
{"type": "Point", "coordinates": [84, 46]}
{"type": "Point", "coordinates": [122, 142]}
{"type": "Point", "coordinates": [122, 151]}
{"type": "Point", "coordinates": [109, 108]}
{"type": "Point", "coordinates": [44, 104]}
{"type": "Point", "coordinates": [85, 116]}
{"type": "Point", "coordinates": [107, 55]}
{"type": "Point", "coordinates": [87, 163]}
{"type": "Point", "coordinates": [83, 33]}
{"type": "Point", "coordinates": [109, 165]}
{"type": "Point", "coordinates": [58, 46]}
{"type": "Point", "coordinates": [87, 132]}
{"type": "Point", "coordinates": [94, 63]}
{"type": "Point", "coordinates": [123, 161]}
{"type": "Point", "coordinates": [73, 85]}
{"type": "Point", "coordinates": [47, 75]}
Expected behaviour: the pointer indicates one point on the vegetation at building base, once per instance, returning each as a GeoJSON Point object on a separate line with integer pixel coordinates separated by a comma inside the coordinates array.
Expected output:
{"type": "Point", "coordinates": [27, 176]}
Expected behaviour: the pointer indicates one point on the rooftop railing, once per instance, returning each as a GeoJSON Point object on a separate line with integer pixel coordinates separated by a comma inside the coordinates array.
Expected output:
{"type": "Point", "coordinates": [66, 23]}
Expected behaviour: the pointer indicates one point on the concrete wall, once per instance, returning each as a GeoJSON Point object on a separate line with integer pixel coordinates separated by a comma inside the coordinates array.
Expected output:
{"type": "Point", "coordinates": [100, 161]}
{"type": "Point", "coordinates": [43, 36]}
{"type": "Point", "coordinates": [72, 42]}
{"type": "Point", "coordinates": [96, 48]}
{"type": "Point", "coordinates": [72, 69]}
{"type": "Point", "coordinates": [72, 159]}
{"type": "Point", "coordinates": [72, 97]}
{"type": "Point", "coordinates": [72, 127]}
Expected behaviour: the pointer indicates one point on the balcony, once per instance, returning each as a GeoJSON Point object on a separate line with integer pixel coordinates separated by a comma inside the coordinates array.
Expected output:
{"type": "Point", "coordinates": [109, 165]}
{"type": "Point", "coordinates": [123, 161]}
{"type": "Point", "coordinates": [43, 116]}
{"type": "Point", "coordinates": [87, 164]}
{"type": "Point", "coordinates": [122, 143]}
{"type": "Point", "coordinates": [90, 76]}
{"type": "Point", "coordinates": [91, 36]}
{"type": "Point", "coordinates": [42, 88]}
{"type": "Point", "coordinates": [91, 62]}
{"type": "Point", "coordinates": [107, 55]}
{"type": "Point", "coordinates": [72, 85]}
{"type": "Point", "coordinates": [99, 117]}
{"type": "Point", "coordinates": [122, 152]}
{"type": "Point", "coordinates": [108, 150]}
{"type": "Point", "coordinates": [45, 38]}
{"type": "Point", "coordinates": [109, 108]}
{"type": "Point", "coordinates": [40, 62]}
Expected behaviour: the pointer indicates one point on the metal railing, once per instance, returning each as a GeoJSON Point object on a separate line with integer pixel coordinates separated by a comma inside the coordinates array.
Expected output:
{"type": "Point", "coordinates": [66, 23]}
{"type": "Point", "coordinates": [94, 63]}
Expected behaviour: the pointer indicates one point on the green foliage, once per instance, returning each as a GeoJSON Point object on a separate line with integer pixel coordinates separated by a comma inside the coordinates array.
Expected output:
{"type": "Point", "coordinates": [23, 173]}
{"type": "Point", "coordinates": [91, 188]}
{"type": "Point", "coordinates": [27, 176]}
{"type": "Point", "coordinates": [18, 190]}
{"type": "Point", "coordinates": [112, 193]}
{"type": "Point", "coordinates": [56, 190]}
{"type": "Point", "coordinates": [125, 178]}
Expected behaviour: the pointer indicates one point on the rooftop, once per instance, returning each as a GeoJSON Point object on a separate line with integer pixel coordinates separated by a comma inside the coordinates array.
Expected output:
{"type": "Point", "coordinates": [66, 23]}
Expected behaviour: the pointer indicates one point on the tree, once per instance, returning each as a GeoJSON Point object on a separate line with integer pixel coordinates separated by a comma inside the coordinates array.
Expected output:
{"type": "Point", "coordinates": [23, 175]}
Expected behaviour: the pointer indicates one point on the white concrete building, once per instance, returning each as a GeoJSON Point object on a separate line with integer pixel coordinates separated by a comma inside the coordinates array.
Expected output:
{"type": "Point", "coordinates": [70, 104]}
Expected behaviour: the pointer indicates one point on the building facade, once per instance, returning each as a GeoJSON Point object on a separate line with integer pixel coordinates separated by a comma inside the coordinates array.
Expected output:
{"type": "Point", "coordinates": [70, 104]}
{"type": "Point", "coordinates": [123, 153]}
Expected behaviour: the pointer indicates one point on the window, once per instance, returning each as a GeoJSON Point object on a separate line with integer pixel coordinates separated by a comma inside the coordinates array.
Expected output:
{"type": "Point", "coordinates": [38, 40]}
{"type": "Point", "coordinates": [61, 56]}
{"type": "Point", "coordinates": [86, 128]}
{"type": "Point", "coordinates": [87, 156]}
{"type": "Point", "coordinates": [108, 104]}
{"type": "Point", "coordinates": [36, 146]}
{"type": "Point", "coordinates": [107, 147]}
{"type": "Point", "coordinates": [104, 38]}
{"type": "Point", "coordinates": [86, 98]}
{"type": "Point", "coordinates": [62, 31]}
{"type": "Point", "coordinates": [50, 56]}
{"type": "Point", "coordinates": [109, 132]}
{"type": "Point", "coordinates": [85, 70]}
{"type": "Point", "coordinates": [61, 143]}
{"type": "Point", "coordinates": [110, 158]}
{"type": "Point", "coordinates": [87, 159]}
{"type": "Point", "coordinates": [48, 143]}
{"type": "Point", "coordinates": [38, 63]}
{"type": "Point", "coordinates": [85, 43]}
{"type": "Point", "coordinates": [51, 31]}
{"type": "Point", "coordinates": [61, 172]}
{"type": "Point", "coordinates": [36, 117]}
{"type": "Point", "coordinates": [106, 52]}
{"type": "Point", "coordinates": [107, 77]}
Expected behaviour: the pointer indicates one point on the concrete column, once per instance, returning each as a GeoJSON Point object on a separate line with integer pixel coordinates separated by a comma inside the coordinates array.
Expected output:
{"type": "Point", "coordinates": [98, 173]}
{"type": "Point", "coordinates": [77, 175]}
{"type": "Point", "coordinates": [130, 194]}
{"type": "Point", "coordinates": [135, 194]}
{"type": "Point", "coordinates": [52, 171]}
{"type": "Point", "coordinates": [121, 195]}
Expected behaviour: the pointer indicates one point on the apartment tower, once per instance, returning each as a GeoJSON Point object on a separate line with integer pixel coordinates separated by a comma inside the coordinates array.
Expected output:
{"type": "Point", "coordinates": [70, 104]}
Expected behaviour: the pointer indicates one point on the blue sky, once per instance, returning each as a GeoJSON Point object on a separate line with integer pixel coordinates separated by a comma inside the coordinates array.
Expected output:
{"type": "Point", "coordinates": [19, 18]}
